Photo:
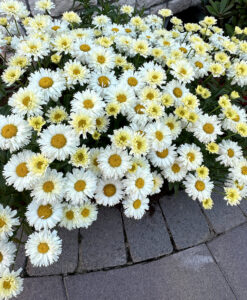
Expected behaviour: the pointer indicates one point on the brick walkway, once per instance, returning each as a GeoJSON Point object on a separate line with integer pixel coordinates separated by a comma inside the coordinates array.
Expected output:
{"type": "Point", "coordinates": [178, 252]}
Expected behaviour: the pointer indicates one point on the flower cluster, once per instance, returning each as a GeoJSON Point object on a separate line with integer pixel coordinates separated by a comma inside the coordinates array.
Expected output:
{"type": "Point", "coordinates": [105, 115]}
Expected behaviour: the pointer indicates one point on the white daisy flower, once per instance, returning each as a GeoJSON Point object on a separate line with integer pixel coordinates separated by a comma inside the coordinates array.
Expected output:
{"type": "Point", "coordinates": [88, 102]}
{"type": "Point", "coordinates": [207, 128]}
{"type": "Point", "coordinates": [101, 59]}
{"type": "Point", "coordinates": [70, 219]}
{"type": "Point", "coordinates": [75, 73]}
{"type": "Point", "coordinates": [80, 185]}
{"type": "Point", "coordinates": [229, 153]}
{"type": "Point", "coordinates": [34, 49]}
{"type": "Point", "coordinates": [183, 71]}
{"type": "Point", "coordinates": [43, 216]}
{"type": "Point", "coordinates": [94, 164]}
{"type": "Point", "coordinates": [133, 80]}
{"type": "Point", "coordinates": [63, 43]}
{"type": "Point", "coordinates": [58, 26]}
{"type": "Point", "coordinates": [82, 124]}
{"type": "Point", "coordinates": [177, 90]}
{"type": "Point", "coordinates": [135, 207]}
{"type": "Point", "coordinates": [239, 171]}
{"type": "Point", "coordinates": [15, 133]}
{"type": "Point", "coordinates": [101, 81]}
{"type": "Point", "coordinates": [26, 101]}
{"type": "Point", "coordinates": [190, 156]}
{"type": "Point", "coordinates": [152, 74]}
{"type": "Point", "coordinates": [122, 95]}
{"type": "Point", "coordinates": [49, 83]}
{"type": "Point", "coordinates": [16, 171]}
{"type": "Point", "coordinates": [11, 284]}
{"type": "Point", "coordinates": [82, 48]}
{"type": "Point", "coordinates": [7, 221]}
{"type": "Point", "coordinates": [173, 123]}
{"type": "Point", "coordinates": [7, 254]}
{"type": "Point", "coordinates": [87, 214]}
{"type": "Point", "coordinates": [109, 192]}
{"type": "Point", "coordinates": [49, 188]}
{"type": "Point", "coordinates": [239, 116]}
{"type": "Point", "coordinates": [43, 248]}
{"type": "Point", "coordinates": [175, 172]}
{"type": "Point", "coordinates": [113, 162]}
{"type": "Point", "coordinates": [58, 141]}
{"type": "Point", "coordinates": [198, 188]}
{"type": "Point", "coordinates": [163, 158]}
{"type": "Point", "coordinates": [158, 182]}
{"type": "Point", "coordinates": [139, 184]}
{"type": "Point", "coordinates": [159, 135]}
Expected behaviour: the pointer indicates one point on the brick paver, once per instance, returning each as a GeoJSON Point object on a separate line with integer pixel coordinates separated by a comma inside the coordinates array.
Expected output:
{"type": "Point", "coordinates": [224, 217]}
{"type": "Point", "coordinates": [43, 288]}
{"type": "Point", "coordinates": [102, 244]}
{"type": "Point", "coordinates": [185, 220]}
{"type": "Point", "coordinates": [68, 260]}
{"type": "Point", "coordinates": [190, 274]}
{"type": "Point", "coordinates": [148, 237]}
{"type": "Point", "coordinates": [230, 252]}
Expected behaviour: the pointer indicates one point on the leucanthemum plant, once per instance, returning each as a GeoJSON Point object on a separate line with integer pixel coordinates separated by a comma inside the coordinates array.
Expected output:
{"type": "Point", "coordinates": [107, 109]}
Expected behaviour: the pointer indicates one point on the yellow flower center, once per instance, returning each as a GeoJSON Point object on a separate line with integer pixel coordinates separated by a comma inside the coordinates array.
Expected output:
{"type": "Point", "coordinates": [76, 71]}
{"type": "Point", "coordinates": [139, 109]}
{"type": "Point", "coordinates": [139, 183]}
{"type": "Point", "coordinates": [115, 160]}
{"type": "Point", "coordinates": [22, 170]}
{"type": "Point", "coordinates": [101, 59]}
{"type": "Point", "coordinates": [191, 156]}
{"type": "Point", "coordinates": [236, 119]}
{"type": "Point", "coordinates": [43, 248]}
{"type": "Point", "coordinates": [162, 154]}
{"type": "Point", "coordinates": [137, 203]}
{"type": "Point", "coordinates": [26, 101]}
{"type": "Point", "coordinates": [85, 48]}
{"type": "Point", "coordinates": [183, 71]}
{"type": "Point", "coordinates": [166, 43]}
{"type": "Point", "coordinates": [244, 170]}
{"type": "Point", "coordinates": [170, 125]}
{"type": "Point", "coordinates": [55, 28]}
{"type": "Point", "coordinates": [44, 211]}
{"type": "Point", "coordinates": [115, 29]}
{"type": "Point", "coordinates": [1, 257]}
{"type": "Point", "coordinates": [57, 116]}
{"type": "Point", "coordinates": [230, 152]}
{"type": "Point", "coordinates": [2, 223]}
{"type": "Point", "coordinates": [7, 284]}
{"type": "Point", "coordinates": [80, 185]}
{"type": "Point", "coordinates": [175, 168]}
{"type": "Point", "coordinates": [198, 64]}
{"type": "Point", "coordinates": [69, 215]}
{"type": "Point", "coordinates": [8, 131]}
{"type": "Point", "coordinates": [177, 92]}
{"type": "Point", "coordinates": [184, 50]}
{"type": "Point", "coordinates": [109, 190]}
{"type": "Point", "coordinates": [85, 212]}
{"type": "Point", "coordinates": [88, 104]}
{"type": "Point", "coordinates": [48, 186]}
{"type": "Point", "coordinates": [103, 81]}
{"type": "Point", "coordinates": [159, 135]}
{"type": "Point", "coordinates": [58, 141]}
{"type": "Point", "coordinates": [150, 96]}
{"type": "Point", "coordinates": [128, 30]}
{"type": "Point", "coordinates": [121, 98]}
{"type": "Point", "coordinates": [208, 128]}
{"type": "Point", "coordinates": [200, 185]}
{"type": "Point", "coordinates": [132, 81]}
{"type": "Point", "coordinates": [45, 82]}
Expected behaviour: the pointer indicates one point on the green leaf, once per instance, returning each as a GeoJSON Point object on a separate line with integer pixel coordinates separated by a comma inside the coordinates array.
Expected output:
{"type": "Point", "coordinates": [223, 5]}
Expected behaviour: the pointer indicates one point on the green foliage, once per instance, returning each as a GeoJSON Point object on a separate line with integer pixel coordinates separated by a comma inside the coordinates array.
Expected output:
{"type": "Point", "coordinates": [230, 13]}
{"type": "Point", "coordinates": [104, 7]}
